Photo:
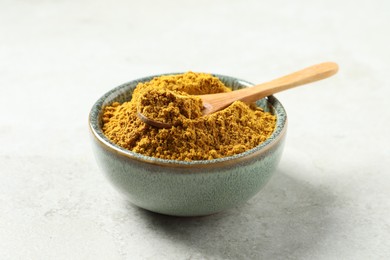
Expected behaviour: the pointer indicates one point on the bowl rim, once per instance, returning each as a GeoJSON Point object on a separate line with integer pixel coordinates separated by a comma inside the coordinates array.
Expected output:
{"type": "Point", "coordinates": [97, 133]}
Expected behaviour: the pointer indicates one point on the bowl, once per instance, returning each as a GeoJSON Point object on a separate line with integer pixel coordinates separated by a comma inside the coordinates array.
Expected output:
{"type": "Point", "coordinates": [187, 188]}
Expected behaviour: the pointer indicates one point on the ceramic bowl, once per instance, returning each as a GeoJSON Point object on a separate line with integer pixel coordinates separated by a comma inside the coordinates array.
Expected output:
{"type": "Point", "coordinates": [182, 188]}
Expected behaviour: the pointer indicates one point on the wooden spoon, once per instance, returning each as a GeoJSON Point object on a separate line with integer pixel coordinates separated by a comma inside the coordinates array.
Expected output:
{"type": "Point", "coordinates": [215, 102]}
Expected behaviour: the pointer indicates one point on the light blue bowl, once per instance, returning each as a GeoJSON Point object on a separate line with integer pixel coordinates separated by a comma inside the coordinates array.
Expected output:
{"type": "Point", "coordinates": [183, 188]}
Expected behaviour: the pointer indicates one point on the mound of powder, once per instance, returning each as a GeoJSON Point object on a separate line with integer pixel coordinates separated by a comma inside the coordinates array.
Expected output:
{"type": "Point", "coordinates": [230, 131]}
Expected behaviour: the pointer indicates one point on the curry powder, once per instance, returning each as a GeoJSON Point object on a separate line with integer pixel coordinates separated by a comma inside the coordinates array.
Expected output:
{"type": "Point", "coordinates": [230, 131]}
{"type": "Point", "coordinates": [170, 107]}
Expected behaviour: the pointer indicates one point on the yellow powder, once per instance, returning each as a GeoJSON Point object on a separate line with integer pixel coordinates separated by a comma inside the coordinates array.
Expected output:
{"type": "Point", "coordinates": [233, 130]}
{"type": "Point", "coordinates": [170, 107]}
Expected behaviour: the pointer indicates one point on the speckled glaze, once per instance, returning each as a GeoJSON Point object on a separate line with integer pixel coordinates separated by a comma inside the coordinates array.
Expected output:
{"type": "Point", "coordinates": [182, 188]}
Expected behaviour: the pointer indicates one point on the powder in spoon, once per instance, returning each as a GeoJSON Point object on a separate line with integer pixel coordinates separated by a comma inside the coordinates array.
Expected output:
{"type": "Point", "coordinates": [169, 107]}
{"type": "Point", "coordinates": [230, 131]}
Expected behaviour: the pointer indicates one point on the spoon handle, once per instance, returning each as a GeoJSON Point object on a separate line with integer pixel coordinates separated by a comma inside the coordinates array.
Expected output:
{"type": "Point", "coordinates": [252, 94]}
{"type": "Point", "coordinates": [298, 78]}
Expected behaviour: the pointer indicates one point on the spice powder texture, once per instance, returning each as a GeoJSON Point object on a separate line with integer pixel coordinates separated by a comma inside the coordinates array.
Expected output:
{"type": "Point", "coordinates": [230, 131]}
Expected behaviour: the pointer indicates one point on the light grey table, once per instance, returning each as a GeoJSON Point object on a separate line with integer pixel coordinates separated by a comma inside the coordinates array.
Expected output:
{"type": "Point", "coordinates": [329, 198]}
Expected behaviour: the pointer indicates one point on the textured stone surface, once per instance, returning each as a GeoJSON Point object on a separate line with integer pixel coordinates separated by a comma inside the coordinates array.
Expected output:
{"type": "Point", "coordinates": [330, 196]}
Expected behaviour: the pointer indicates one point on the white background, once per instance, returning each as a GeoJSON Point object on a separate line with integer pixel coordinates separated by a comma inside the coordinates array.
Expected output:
{"type": "Point", "coordinates": [329, 198]}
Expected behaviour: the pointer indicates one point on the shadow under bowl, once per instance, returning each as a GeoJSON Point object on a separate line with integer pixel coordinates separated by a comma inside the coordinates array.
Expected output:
{"type": "Point", "coordinates": [187, 188]}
